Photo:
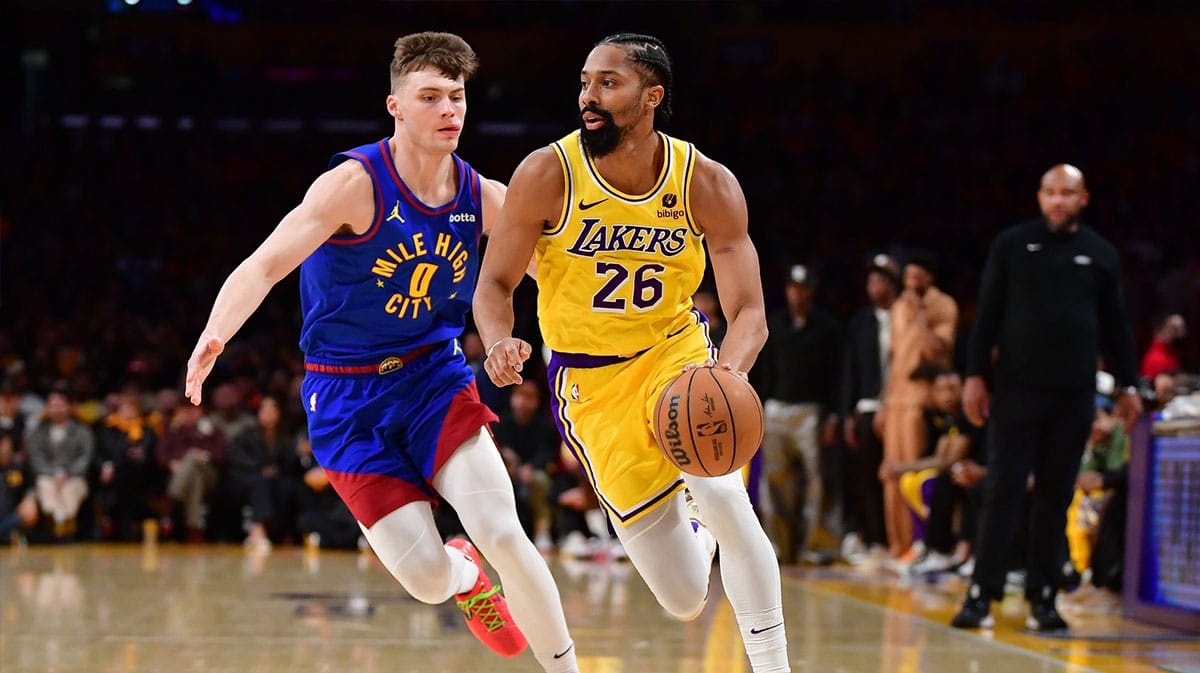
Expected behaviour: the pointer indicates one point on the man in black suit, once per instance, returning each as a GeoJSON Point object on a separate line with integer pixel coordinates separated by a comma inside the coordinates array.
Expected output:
{"type": "Point", "coordinates": [865, 368]}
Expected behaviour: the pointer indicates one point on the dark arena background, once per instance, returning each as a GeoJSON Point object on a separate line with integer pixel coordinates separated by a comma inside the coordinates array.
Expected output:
{"type": "Point", "coordinates": [151, 145]}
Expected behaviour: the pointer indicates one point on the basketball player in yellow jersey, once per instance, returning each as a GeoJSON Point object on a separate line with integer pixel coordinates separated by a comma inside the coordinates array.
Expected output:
{"type": "Point", "coordinates": [618, 215]}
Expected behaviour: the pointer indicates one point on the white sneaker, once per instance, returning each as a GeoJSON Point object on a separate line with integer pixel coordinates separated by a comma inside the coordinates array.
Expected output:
{"type": "Point", "coordinates": [932, 562]}
{"type": "Point", "coordinates": [901, 564]}
{"type": "Point", "coordinates": [967, 568]}
{"type": "Point", "coordinates": [257, 545]}
{"type": "Point", "coordinates": [853, 547]}
{"type": "Point", "coordinates": [575, 546]}
{"type": "Point", "coordinates": [1014, 581]}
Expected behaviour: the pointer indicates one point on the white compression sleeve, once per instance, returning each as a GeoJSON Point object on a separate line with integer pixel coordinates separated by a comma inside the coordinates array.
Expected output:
{"type": "Point", "coordinates": [749, 569]}
{"type": "Point", "coordinates": [474, 481]}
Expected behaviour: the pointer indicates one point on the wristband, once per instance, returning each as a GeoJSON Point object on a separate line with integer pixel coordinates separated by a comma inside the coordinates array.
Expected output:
{"type": "Point", "coordinates": [489, 351]}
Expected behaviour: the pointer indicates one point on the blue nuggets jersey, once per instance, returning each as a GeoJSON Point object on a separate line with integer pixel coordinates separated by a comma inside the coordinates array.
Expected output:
{"type": "Point", "coordinates": [406, 282]}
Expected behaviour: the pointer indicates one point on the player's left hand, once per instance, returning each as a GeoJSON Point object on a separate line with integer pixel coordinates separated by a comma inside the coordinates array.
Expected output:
{"type": "Point", "coordinates": [505, 360]}
{"type": "Point", "coordinates": [713, 363]}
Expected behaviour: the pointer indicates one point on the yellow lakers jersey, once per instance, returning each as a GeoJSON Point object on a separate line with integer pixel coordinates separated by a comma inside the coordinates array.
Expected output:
{"type": "Point", "coordinates": [617, 271]}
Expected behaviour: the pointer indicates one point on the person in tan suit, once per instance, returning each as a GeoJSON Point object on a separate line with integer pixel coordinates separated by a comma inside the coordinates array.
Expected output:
{"type": "Point", "coordinates": [924, 321]}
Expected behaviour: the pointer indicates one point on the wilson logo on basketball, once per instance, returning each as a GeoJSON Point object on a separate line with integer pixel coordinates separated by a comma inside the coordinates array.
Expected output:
{"type": "Point", "coordinates": [671, 434]}
{"type": "Point", "coordinates": [708, 422]}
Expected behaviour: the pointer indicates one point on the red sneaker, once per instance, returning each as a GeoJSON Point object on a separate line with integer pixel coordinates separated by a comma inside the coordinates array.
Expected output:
{"type": "Point", "coordinates": [486, 610]}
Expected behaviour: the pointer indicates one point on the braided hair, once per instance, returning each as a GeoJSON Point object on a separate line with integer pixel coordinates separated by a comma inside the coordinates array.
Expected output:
{"type": "Point", "coordinates": [651, 60]}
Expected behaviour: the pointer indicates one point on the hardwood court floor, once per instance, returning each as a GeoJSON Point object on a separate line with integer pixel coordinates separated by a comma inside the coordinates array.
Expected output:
{"type": "Point", "coordinates": [168, 608]}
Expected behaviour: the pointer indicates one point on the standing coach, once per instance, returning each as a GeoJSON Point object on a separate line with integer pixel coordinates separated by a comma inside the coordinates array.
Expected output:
{"type": "Point", "coordinates": [1050, 297]}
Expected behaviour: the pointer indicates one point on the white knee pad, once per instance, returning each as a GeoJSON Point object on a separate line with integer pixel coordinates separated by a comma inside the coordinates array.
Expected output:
{"type": "Point", "coordinates": [409, 546]}
{"type": "Point", "coordinates": [670, 557]}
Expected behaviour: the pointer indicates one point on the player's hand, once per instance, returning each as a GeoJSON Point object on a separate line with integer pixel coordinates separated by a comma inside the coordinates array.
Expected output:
{"type": "Point", "coordinates": [713, 363]}
{"type": "Point", "coordinates": [976, 401]}
{"type": "Point", "coordinates": [200, 364]}
{"type": "Point", "coordinates": [505, 360]}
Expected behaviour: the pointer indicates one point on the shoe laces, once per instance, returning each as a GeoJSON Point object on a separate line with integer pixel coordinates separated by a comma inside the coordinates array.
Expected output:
{"type": "Point", "coordinates": [482, 607]}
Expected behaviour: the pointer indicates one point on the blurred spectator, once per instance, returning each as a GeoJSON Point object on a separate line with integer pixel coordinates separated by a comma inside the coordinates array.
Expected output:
{"type": "Point", "coordinates": [191, 453]}
{"type": "Point", "coordinates": [12, 421]}
{"type": "Point", "coordinates": [1164, 387]}
{"type": "Point", "coordinates": [1104, 464]}
{"type": "Point", "coordinates": [1108, 547]}
{"type": "Point", "coordinates": [18, 505]}
{"type": "Point", "coordinates": [924, 322]}
{"type": "Point", "coordinates": [254, 460]}
{"type": "Point", "coordinates": [529, 442]}
{"type": "Point", "coordinates": [60, 452]}
{"type": "Point", "coordinates": [166, 401]}
{"type": "Point", "coordinates": [926, 483]}
{"type": "Point", "coordinates": [127, 472]}
{"type": "Point", "coordinates": [796, 374]}
{"type": "Point", "coordinates": [581, 525]}
{"type": "Point", "coordinates": [322, 519]}
{"type": "Point", "coordinates": [1050, 296]}
{"type": "Point", "coordinates": [1164, 353]}
{"type": "Point", "coordinates": [968, 474]}
{"type": "Point", "coordinates": [868, 359]}
{"type": "Point", "coordinates": [228, 414]}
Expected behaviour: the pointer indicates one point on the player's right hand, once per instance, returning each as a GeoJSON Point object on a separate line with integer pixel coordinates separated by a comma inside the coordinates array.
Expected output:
{"type": "Point", "coordinates": [204, 356]}
{"type": "Point", "coordinates": [505, 360]}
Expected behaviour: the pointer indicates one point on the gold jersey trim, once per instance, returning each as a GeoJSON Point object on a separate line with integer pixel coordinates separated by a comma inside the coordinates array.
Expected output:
{"type": "Point", "coordinates": [629, 198]}
{"type": "Point", "coordinates": [568, 207]}
{"type": "Point", "coordinates": [568, 195]}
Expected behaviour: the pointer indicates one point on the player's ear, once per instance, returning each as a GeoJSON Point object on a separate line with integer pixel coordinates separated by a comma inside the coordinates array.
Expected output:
{"type": "Point", "coordinates": [393, 107]}
{"type": "Point", "coordinates": [654, 95]}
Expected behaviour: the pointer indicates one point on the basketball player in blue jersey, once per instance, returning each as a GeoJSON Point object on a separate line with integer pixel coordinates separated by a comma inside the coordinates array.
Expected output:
{"type": "Point", "coordinates": [387, 244]}
{"type": "Point", "coordinates": [617, 214]}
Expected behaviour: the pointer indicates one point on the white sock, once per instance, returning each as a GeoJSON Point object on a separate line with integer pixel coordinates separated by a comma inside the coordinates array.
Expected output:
{"type": "Point", "coordinates": [564, 663]}
{"type": "Point", "coordinates": [765, 639]}
{"type": "Point", "coordinates": [463, 572]}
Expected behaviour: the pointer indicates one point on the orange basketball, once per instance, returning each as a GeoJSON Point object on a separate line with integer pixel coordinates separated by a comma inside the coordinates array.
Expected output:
{"type": "Point", "coordinates": [708, 422]}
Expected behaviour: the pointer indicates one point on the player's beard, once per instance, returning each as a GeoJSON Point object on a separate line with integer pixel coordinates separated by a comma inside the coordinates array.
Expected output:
{"type": "Point", "coordinates": [603, 140]}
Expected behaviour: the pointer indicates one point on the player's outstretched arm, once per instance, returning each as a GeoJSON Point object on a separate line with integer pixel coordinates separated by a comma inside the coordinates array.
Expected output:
{"type": "Point", "coordinates": [534, 198]}
{"type": "Point", "coordinates": [719, 207]}
{"type": "Point", "coordinates": [342, 197]}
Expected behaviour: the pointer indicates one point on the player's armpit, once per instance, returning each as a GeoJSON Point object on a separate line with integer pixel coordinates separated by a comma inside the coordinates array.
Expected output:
{"type": "Point", "coordinates": [534, 197]}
